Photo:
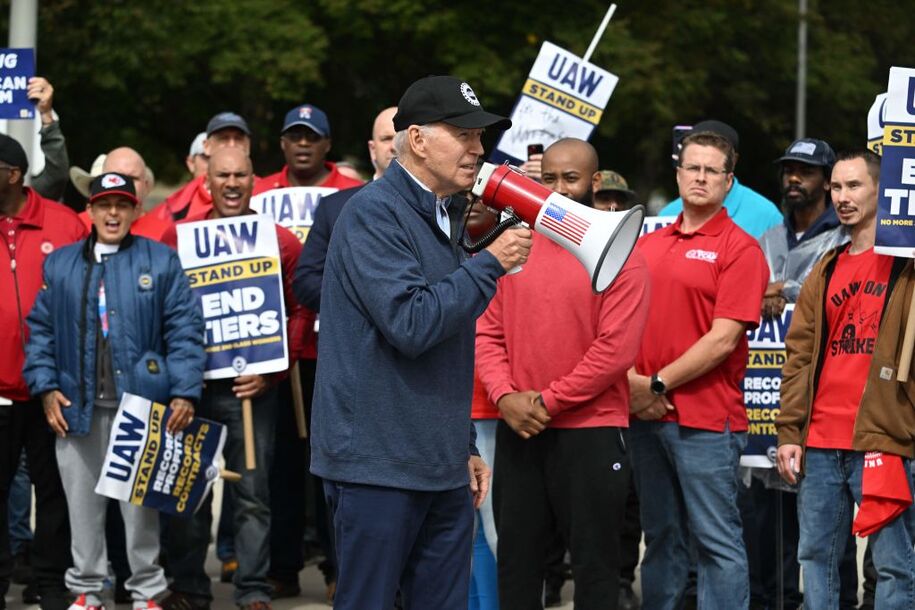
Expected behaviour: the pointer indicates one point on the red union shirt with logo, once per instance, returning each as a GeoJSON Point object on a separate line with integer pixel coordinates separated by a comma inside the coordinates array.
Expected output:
{"type": "Point", "coordinates": [855, 297]}
{"type": "Point", "coordinates": [718, 271]}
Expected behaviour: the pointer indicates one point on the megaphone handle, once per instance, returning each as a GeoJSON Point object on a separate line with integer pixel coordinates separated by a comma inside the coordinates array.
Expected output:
{"type": "Point", "coordinates": [521, 225]}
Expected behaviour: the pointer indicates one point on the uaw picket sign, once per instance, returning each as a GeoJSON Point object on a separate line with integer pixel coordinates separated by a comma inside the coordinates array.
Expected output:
{"type": "Point", "coordinates": [148, 466]}
{"type": "Point", "coordinates": [17, 66]}
{"type": "Point", "coordinates": [234, 270]}
{"type": "Point", "coordinates": [896, 197]}
{"type": "Point", "coordinates": [762, 388]}
{"type": "Point", "coordinates": [293, 208]}
{"type": "Point", "coordinates": [563, 97]}
{"type": "Point", "coordinates": [875, 124]}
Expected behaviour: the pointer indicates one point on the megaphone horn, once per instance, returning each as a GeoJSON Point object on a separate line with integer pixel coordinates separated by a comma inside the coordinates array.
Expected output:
{"type": "Point", "coordinates": [601, 241]}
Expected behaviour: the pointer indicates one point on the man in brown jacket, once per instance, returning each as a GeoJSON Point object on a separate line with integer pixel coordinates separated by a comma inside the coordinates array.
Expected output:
{"type": "Point", "coordinates": [841, 397]}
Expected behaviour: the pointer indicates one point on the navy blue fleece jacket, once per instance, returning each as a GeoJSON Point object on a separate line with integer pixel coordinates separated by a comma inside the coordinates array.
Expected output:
{"type": "Point", "coordinates": [399, 305]}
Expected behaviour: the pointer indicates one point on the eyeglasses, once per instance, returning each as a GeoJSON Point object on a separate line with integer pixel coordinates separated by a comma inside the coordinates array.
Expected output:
{"type": "Point", "coordinates": [711, 172]}
{"type": "Point", "coordinates": [297, 135]}
{"type": "Point", "coordinates": [8, 167]}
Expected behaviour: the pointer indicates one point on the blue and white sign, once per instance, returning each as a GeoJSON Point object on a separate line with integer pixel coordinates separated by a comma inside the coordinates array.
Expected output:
{"type": "Point", "coordinates": [17, 66]}
{"type": "Point", "coordinates": [563, 97]}
{"type": "Point", "coordinates": [762, 388]}
{"type": "Point", "coordinates": [293, 208]}
{"type": "Point", "coordinates": [875, 124]}
{"type": "Point", "coordinates": [896, 198]}
{"type": "Point", "coordinates": [233, 265]}
{"type": "Point", "coordinates": [148, 466]}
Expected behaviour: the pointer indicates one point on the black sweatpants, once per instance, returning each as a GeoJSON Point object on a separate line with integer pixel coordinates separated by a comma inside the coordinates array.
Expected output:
{"type": "Point", "coordinates": [578, 476]}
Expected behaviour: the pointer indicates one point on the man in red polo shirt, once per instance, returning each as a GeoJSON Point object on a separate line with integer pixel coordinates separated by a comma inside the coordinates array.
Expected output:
{"type": "Point", "coordinates": [708, 277]}
{"type": "Point", "coordinates": [305, 140]}
{"type": "Point", "coordinates": [32, 227]}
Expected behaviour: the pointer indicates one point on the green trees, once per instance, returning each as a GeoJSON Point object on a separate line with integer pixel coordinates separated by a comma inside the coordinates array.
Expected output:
{"type": "Point", "coordinates": [151, 73]}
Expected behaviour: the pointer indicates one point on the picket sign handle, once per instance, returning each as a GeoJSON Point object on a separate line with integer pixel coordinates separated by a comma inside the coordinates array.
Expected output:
{"type": "Point", "coordinates": [298, 401]}
{"type": "Point", "coordinates": [600, 32]}
{"type": "Point", "coordinates": [905, 361]}
{"type": "Point", "coordinates": [229, 476]}
{"type": "Point", "coordinates": [247, 420]}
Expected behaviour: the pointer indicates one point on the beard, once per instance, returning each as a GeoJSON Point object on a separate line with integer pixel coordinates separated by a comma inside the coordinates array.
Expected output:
{"type": "Point", "coordinates": [800, 201]}
{"type": "Point", "coordinates": [587, 199]}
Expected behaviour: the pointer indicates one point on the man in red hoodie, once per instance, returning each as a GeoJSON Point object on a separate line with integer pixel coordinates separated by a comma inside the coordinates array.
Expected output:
{"type": "Point", "coordinates": [32, 227]}
{"type": "Point", "coordinates": [553, 357]}
{"type": "Point", "coordinates": [305, 140]}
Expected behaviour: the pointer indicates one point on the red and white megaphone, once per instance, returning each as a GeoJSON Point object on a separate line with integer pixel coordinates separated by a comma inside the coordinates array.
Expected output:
{"type": "Point", "coordinates": [601, 241]}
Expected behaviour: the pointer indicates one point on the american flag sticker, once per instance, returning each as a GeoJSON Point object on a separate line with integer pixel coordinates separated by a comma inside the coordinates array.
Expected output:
{"type": "Point", "coordinates": [565, 223]}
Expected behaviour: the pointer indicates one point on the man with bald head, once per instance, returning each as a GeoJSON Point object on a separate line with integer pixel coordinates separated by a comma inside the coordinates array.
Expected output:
{"type": "Point", "coordinates": [230, 179]}
{"type": "Point", "coordinates": [559, 447]}
{"type": "Point", "coordinates": [127, 162]}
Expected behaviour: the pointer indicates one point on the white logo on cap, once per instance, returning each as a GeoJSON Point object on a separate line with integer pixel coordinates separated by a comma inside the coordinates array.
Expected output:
{"type": "Point", "coordinates": [112, 181]}
{"type": "Point", "coordinates": [469, 95]}
{"type": "Point", "coordinates": [804, 148]}
{"type": "Point", "coordinates": [305, 113]}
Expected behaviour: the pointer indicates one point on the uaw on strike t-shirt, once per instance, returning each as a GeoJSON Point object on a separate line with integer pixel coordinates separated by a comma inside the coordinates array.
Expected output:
{"type": "Point", "coordinates": [854, 304]}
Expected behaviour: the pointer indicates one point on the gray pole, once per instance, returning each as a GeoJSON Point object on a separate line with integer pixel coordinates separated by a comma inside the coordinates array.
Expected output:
{"type": "Point", "coordinates": [23, 34]}
{"type": "Point", "coordinates": [800, 126]}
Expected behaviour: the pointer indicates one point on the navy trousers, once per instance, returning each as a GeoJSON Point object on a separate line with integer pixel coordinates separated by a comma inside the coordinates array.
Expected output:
{"type": "Point", "coordinates": [389, 539]}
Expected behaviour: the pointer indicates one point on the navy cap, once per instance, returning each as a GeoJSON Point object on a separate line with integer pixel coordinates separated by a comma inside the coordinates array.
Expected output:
{"type": "Point", "coordinates": [224, 120]}
{"type": "Point", "coordinates": [720, 128]}
{"type": "Point", "coordinates": [12, 153]}
{"type": "Point", "coordinates": [112, 183]}
{"type": "Point", "coordinates": [810, 151]}
{"type": "Point", "coordinates": [309, 116]}
{"type": "Point", "coordinates": [444, 99]}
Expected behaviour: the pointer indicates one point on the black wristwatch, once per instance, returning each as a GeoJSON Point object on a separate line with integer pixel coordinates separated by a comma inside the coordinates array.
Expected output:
{"type": "Point", "coordinates": [658, 387]}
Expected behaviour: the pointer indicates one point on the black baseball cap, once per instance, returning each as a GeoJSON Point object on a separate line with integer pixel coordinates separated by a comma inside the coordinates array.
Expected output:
{"type": "Point", "coordinates": [12, 153]}
{"type": "Point", "coordinates": [112, 183]}
{"type": "Point", "coordinates": [444, 99]}
{"type": "Point", "coordinates": [810, 151]}
{"type": "Point", "coordinates": [720, 128]}
{"type": "Point", "coordinates": [225, 120]}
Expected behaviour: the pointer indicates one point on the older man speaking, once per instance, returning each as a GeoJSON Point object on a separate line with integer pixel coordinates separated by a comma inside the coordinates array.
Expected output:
{"type": "Point", "coordinates": [392, 436]}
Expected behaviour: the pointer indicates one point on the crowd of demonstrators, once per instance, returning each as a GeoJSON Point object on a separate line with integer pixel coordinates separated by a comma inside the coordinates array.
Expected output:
{"type": "Point", "coordinates": [576, 404]}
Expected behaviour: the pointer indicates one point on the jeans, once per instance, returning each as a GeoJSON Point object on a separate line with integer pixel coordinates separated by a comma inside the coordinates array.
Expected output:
{"type": "Point", "coordinates": [828, 492]}
{"type": "Point", "coordinates": [687, 480]}
{"type": "Point", "coordinates": [20, 507]}
{"type": "Point", "coordinates": [189, 537]}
